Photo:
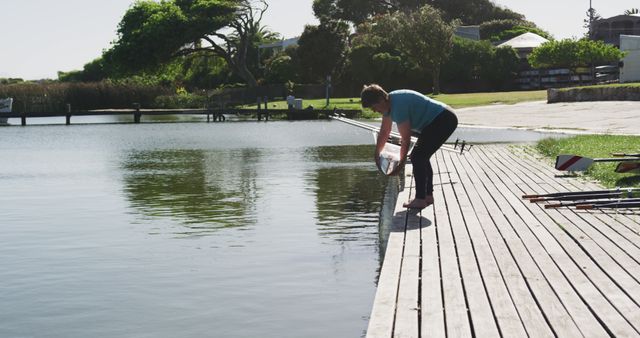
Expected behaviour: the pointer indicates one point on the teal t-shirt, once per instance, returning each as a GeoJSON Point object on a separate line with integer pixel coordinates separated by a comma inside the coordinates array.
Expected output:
{"type": "Point", "coordinates": [418, 109]}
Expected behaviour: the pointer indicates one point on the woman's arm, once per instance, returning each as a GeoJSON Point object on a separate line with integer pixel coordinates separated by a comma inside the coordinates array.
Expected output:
{"type": "Point", "coordinates": [404, 129]}
{"type": "Point", "coordinates": [383, 136]}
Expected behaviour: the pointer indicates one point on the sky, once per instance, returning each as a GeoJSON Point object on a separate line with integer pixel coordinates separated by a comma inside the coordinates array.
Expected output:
{"type": "Point", "coordinates": [42, 37]}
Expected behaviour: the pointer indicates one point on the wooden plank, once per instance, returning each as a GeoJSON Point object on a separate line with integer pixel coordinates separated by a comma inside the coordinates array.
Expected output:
{"type": "Point", "coordinates": [622, 224]}
{"type": "Point", "coordinates": [408, 303]}
{"type": "Point", "coordinates": [593, 286]}
{"type": "Point", "coordinates": [481, 313]}
{"type": "Point", "coordinates": [530, 231]}
{"type": "Point", "coordinates": [381, 322]}
{"type": "Point", "coordinates": [504, 309]}
{"type": "Point", "coordinates": [525, 280]}
{"type": "Point", "coordinates": [432, 308]}
{"type": "Point", "coordinates": [539, 162]}
{"type": "Point", "coordinates": [606, 248]}
{"type": "Point", "coordinates": [456, 317]}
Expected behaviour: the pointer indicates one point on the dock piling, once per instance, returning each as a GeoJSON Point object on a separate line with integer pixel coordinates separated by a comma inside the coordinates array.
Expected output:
{"type": "Point", "coordinates": [68, 116]}
{"type": "Point", "coordinates": [136, 114]}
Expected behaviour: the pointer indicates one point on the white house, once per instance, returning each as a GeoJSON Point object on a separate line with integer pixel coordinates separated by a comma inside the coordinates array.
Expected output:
{"type": "Point", "coordinates": [524, 43]}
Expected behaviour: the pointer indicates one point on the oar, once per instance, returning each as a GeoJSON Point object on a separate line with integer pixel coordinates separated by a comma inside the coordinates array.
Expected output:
{"type": "Point", "coordinates": [580, 163]}
{"type": "Point", "coordinates": [569, 193]}
{"type": "Point", "coordinates": [573, 204]}
{"type": "Point", "coordinates": [628, 167]}
{"type": "Point", "coordinates": [577, 197]}
{"type": "Point", "coordinates": [609, 205]}
{"type": "Point", "coordinates": [377, 130]}
{"type": "Point", "coordinates": [625, 154]}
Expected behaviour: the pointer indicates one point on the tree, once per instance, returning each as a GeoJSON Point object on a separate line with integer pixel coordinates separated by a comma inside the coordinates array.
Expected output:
{"type": "Point", "coordinates": [322, 48]}
{"type": "Point", "coordinates": [500, 30]}
{"type": "Point", "coordinates": [478, 65]}
{"type": "Point", "coordinates": [435, 43]}
{"type": "Point", "coordinates": [592, 15]}
{"type": "Point", "coordinates": [355, 11]}
{"type": "Point", "coordinates": [572, 54]}
{"type": "Point", "coordinates": [473, 12]}
{"type": "Point", "coordinates": [282, 67]}
{"type": "Point", "coordinates": [358, 11]}
{"type": "Point", "coordinates": [91, 72]}
{"type": "Point", "coordinates": [152, 33]}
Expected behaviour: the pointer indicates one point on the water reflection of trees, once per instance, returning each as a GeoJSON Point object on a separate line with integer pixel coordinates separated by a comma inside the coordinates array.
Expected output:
{"type": "Point", "coordinates": [349, 193]}
{"type": "Point", "coordinates": [202, 190]}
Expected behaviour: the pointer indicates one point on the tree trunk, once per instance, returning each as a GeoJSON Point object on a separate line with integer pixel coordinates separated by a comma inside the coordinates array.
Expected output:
{"type": "Point", "coordinates": [436, 79]}
{"type": "Point", "coordinates": [240, 68]}
{"type": "Point", "coordinates": [246, 75]}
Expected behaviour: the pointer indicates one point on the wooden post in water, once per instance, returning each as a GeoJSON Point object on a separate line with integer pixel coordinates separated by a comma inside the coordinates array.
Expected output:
{"type": "Point", "coordinates": [23, 118]}
{"type": "Point", "coordinates": [266, 108]}
{"type": "Point", "coordinates": [136, 114]}
{"type": "Point", "coordinates": [259, 109]}
{"type": "Point", "coordinates": [68, 116]}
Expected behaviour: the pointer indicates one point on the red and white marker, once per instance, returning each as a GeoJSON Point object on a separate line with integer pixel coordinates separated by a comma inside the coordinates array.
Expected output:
{"type": "Point", "coordinates": [579, 163]}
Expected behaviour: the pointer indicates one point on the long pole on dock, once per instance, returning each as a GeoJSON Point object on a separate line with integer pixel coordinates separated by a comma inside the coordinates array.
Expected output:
{"type": "Point", "coordinates": [377, 130]}
{"type": "Point", "coordinates": [594, 202]}
{"type": "Point", "coordinates": [569, 193]}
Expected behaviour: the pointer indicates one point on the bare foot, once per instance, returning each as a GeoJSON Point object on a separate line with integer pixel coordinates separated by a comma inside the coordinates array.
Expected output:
{"type": "Point", "coordinates": [419, 203]}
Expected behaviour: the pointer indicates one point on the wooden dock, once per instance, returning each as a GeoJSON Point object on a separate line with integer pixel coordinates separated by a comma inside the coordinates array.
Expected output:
{"type": "Point", "coordinates": [211, 114]}
{"type": "Point", "coordinates": [483, 262]}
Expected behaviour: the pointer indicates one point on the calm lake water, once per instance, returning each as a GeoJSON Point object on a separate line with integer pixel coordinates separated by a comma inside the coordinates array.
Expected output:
{"type": "Point", "coordinates": [235, 229]}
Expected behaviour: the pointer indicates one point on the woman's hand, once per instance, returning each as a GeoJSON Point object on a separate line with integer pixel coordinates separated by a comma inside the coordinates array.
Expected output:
{"type": "Point", "coordinates": [376, 157]}
{"type": "Point", "coordinates": [399, 168]}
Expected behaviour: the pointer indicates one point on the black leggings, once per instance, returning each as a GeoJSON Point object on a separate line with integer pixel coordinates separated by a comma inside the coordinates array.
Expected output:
{"type": "Point", "coordinates": [432, 137]}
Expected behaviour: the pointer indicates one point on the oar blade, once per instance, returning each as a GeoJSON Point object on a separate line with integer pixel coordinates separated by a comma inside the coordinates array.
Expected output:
{"type": "Point", "coordinates": [573, 163]}
{"type": "Point", "coordinates": [628, 167]}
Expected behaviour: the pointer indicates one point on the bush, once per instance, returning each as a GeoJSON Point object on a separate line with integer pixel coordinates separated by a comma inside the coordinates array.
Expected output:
{"type": "Point", "coordinates": [478, 66]}
{"type": "Point", "coordinates": [53, 96]}
{"type": "Point", "coordinates": [184, 100]}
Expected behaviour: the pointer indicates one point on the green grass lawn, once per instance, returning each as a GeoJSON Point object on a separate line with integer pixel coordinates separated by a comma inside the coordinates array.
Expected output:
{"type": "Point", "coordinates": [597, 146]}
{"type": "Point", "coordinates": [483, 99]}
{"type": "Point", "coordinates": [454, 100]}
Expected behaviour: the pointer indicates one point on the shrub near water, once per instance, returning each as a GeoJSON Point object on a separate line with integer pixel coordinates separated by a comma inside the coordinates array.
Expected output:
{"type": "Point", "coordinates": [597, 146]}
{"type": "Point", "coordinates": [53, 97]}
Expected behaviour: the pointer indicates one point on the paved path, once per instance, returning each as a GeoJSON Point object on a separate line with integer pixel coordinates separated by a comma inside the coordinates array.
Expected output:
{"type": "Point", "coordinates": [483, 262]}
{"type": "Point", "coordinates": [611, 117]}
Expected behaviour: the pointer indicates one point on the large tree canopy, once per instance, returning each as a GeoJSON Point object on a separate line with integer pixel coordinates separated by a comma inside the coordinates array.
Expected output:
{"type": "Point", "coordinates": [321, 49]}
{"type": "Point", "coordinates": [151, 33]}
{"type": "Point", "coordinates": [571, 54]}
{"type": "Point", "coordinates": [358, 11]}
{"type": "Point", "coordinates": [433, 49]}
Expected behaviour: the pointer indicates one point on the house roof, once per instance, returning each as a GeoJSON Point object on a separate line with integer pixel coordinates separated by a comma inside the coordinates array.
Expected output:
{"type": "Point", "coordinates": [526, 40]}
{"type": "Point", "coordinates": [620, 17]}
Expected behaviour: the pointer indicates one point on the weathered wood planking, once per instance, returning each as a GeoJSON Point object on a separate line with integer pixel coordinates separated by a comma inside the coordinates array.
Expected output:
{"type": "Point", "coordinates": [483, 262]}
{"type": "Point", "coordinates": [598, 290]}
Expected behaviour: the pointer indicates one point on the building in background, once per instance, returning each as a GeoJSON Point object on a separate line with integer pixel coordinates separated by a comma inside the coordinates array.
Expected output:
{"type": "Point", "coordinates": [630, 70]}
{"type": "Point", "coordinates": [610, 29]}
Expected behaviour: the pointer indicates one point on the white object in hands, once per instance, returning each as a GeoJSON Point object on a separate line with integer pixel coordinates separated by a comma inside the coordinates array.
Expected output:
{"type": "Point", "coordinates": [389, 158]}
